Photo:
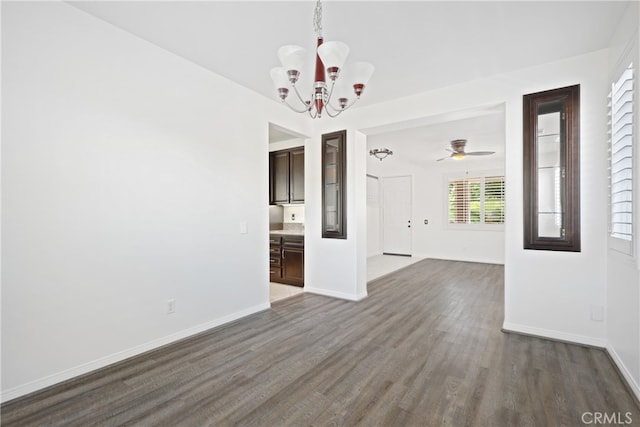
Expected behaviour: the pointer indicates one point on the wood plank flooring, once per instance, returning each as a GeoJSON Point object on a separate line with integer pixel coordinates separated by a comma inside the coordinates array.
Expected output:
{"type": "Point", "coordinates": [424, 349]}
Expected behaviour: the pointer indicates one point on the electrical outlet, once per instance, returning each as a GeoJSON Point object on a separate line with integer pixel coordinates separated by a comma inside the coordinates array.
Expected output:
{"type": "Point", "coordinates": [171, 306]}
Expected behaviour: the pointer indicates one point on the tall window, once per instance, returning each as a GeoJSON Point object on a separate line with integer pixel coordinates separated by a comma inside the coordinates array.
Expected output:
{"type": "Point", "coordinates": [477, 200]}
{"type": "Point", "coordinates": [621, 161]}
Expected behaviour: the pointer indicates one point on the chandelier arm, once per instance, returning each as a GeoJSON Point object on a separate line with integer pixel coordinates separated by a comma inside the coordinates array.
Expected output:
{"type": "Point", "coordinates": [336, 114]}
{"type": "Point", "coordinates": [342, 109]}
{"type": "Point", "coordinates": [305, 103]}
{"type": "Point", "coordinates": [333, 84]}
{"type": "Point", "coordinates": [328, 100]}
{"type": "Point", "coordinates": [328, 105]}
{"type": "Point", "coordinates": [293, 108]}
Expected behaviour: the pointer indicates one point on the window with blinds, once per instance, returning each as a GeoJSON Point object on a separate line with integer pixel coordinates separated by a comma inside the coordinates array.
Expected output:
{"type": "Point", "coordinates": [494, 200]}
{"type": "Point", "coordinates": [621, 157]}
{"type": "Point", "coordinates": [478, 200]}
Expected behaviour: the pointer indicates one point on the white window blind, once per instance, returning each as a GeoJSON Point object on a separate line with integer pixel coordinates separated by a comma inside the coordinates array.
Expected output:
{"type": "Point", "coordinates": [477, 200]}
{"type": "Point", "coordinates": [494, 200]}
{"type": "Point", "coordinates": [621, 157]}
{"type": "Point", "coordinates": [464, 201]}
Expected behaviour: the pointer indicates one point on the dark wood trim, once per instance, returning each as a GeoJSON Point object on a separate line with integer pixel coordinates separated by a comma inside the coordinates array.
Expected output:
{"type": "Point", "coordinates": [569, 98]}
{"type": "Point", "coordinates": [341, 180]}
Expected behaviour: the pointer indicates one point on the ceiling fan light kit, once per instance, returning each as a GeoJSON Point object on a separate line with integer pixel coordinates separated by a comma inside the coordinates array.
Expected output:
{"type": "Point", "coordinates": [330, 56]}
{"type": "Point", "coordinates": [458, 153]}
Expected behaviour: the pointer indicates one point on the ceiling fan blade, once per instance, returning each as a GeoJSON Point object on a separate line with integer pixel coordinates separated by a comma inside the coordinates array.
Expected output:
{"type": "Point", "coordinates": [480, 153]}
{"type": "Point", "coordinates": [444, 158]}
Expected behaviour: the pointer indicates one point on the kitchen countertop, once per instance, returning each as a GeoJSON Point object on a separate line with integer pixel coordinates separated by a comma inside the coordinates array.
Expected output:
{"type": "Point", "coordinates": [287, 232]}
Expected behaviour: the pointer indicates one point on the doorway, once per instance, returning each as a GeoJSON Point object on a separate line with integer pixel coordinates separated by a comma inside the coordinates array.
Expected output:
{"type": "Point", "coordinates": [286, 212]}
{"type": "Point", "coordinates": [396, 215]}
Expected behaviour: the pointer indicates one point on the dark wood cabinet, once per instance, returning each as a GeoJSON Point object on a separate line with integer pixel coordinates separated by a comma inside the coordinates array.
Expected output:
{"type": "Point", "coordinates": [279, 177]}
{"type": "Point", "coordinates": [293, 260]}
{"type": "Point", "coordinates": [296, 175]}
{"type": "Point", "coordinates": [286, 176]}
{"type": "Point", "coordinates": [275, 265]}
{"type": "Point", "coordinates": [286, 259]}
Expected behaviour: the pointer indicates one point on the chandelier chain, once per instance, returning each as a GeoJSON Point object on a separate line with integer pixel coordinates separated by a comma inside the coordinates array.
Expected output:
{"type": "Point", "coordinates": [317, 20]}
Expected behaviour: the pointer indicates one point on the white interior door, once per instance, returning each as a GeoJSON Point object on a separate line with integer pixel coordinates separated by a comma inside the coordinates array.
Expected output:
{"type": "Point", "coordinates": [396, 215]}
{"type": "Point", "coordinates": [374, 217]}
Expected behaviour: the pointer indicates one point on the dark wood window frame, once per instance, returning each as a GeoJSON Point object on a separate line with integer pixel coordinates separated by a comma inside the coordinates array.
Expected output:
{"type": "Point", "coordinates": [334, 218]}
{"type": "Point", "coordinates": [566, 101]}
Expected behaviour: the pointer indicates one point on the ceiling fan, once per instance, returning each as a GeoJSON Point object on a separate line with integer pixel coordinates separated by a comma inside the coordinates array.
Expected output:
{"type": "Point", "coordinates": [458, 153]}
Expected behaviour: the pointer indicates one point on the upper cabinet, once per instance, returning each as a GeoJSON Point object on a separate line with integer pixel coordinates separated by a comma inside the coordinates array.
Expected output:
{"type": "Point", "coordinates": [552, 170]}
{"type": "Point", "coordinates": [296, 175]}
{"type": "Point", "coordinates": [286, 176]}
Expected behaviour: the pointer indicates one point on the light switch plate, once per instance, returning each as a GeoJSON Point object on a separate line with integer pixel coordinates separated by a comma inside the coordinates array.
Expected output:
{"type": "Point", "coordinates": [597, 313]}
{"type": "Point", "coordinates": [243, 228]}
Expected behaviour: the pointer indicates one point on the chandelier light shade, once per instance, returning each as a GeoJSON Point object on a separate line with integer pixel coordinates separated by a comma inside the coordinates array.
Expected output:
{"type": "Point", "coordinates": [380, 153]}
{"type": "Point", "coordinates": [344, 88]}
{"type": "Point", "coordinates": [291, 57]}
{"type": "Point", "coordinates": [333, 55]}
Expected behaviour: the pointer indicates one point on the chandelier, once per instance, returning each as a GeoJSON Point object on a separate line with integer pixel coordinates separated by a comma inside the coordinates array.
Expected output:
{"type": "Point", "coordinates": [330, 56]}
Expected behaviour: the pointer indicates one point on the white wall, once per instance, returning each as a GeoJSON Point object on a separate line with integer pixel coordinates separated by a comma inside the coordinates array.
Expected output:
{"type": "Point", "coordinates": [289, 143]}
{"type": "Point", "coordinates": [438, 239]}
{"type": "Point", "coordinates": [124, 184]}
{"type": "Point", "coordinates": [546, 293]}
{"type": "Point", "coordinates": [125, 181]}
{"type": "Point", "coordinates": [336, 269]}
{"type": "Point", "coordinates": [293, 214]}
{"type": "Point", "coordinates": [623, 277]}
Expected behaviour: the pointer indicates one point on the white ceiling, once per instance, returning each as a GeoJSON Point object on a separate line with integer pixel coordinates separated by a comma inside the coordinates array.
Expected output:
{"type": "Point", "coordinates": [425, 143]}
{"type": "Point", "coordinates": [415, 45]}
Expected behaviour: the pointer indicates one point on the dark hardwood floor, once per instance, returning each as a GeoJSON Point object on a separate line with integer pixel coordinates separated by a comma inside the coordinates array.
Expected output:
{"type": "Point", "coordinates": [424, 349]}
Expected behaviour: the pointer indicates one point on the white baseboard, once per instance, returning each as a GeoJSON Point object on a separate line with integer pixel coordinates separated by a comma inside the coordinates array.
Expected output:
{"type": "Point", "coordinates": [334, 294]}
{"type": "Point", "coordinates": [631, 382]}
{"type": "Point", "coordinates": [102, 362]}
{"type": "Point", "coordinates": [554, 335]}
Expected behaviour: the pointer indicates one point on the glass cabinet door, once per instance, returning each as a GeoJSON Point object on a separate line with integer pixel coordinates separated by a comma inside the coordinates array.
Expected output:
{"type": "Point", "coordinates": [552, 170]}
{"type": "Point", "coordinates": [333, 185]}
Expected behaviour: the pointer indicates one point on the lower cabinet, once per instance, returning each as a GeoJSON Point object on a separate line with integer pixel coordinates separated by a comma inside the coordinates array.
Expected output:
{"type": "Point", "coordinates": [286, 259]}
{"type": "Point", "coordinates": [275, 267]}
